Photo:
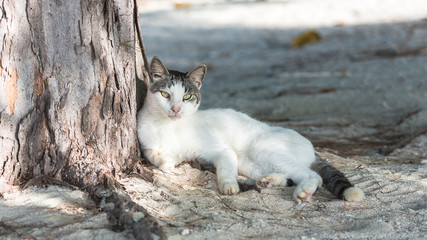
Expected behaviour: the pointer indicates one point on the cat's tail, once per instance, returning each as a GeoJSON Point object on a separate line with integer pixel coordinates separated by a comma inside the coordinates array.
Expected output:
{"type": "Point", "coordinates": [336, 182]}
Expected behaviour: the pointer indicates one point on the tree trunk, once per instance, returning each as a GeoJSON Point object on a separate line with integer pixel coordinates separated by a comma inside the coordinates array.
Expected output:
{"type": "Point", "coordinates": [67, 90]}
{"type": "Point", "coordinates": [67, 76]}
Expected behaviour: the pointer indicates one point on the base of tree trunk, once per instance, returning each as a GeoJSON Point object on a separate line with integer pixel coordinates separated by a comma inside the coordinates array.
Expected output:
{"type": "Point", "coordinates": [122, 210]}
{"type": "Point", "coordinates": [110, 197]}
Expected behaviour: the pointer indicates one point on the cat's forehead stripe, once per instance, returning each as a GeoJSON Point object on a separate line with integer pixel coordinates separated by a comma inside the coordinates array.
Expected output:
{"type": "Point", "coordinates": [158, 85]}
{"type": "Point", "coordinates": [176, 79]}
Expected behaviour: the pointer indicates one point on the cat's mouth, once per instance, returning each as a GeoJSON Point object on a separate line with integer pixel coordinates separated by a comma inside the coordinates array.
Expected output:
{"type": "Point", "coordinates": [174, 117]}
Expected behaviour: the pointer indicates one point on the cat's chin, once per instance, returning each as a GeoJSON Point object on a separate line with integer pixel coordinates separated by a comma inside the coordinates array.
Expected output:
{"type": "Point", "coordinates": [174, 117]}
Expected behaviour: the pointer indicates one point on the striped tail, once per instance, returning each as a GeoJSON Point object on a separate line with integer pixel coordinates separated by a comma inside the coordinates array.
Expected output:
{"type": "Point", "coordinates": [336, 183]}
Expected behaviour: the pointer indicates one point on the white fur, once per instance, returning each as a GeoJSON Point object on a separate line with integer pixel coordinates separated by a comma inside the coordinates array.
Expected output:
{"type": "Point", "coordinates": [233, 142]}
{"type": "Point", "coordinates": [353, 194]}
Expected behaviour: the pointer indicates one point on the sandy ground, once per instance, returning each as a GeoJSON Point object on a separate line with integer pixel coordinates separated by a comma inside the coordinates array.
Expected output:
{"type": "Point", "coordinates": [359, 94]}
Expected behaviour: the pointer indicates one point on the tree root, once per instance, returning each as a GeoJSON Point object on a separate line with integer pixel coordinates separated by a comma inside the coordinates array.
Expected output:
{"type": "Point", "coordinates": [110, 197]}
{"type": "Point", "coordinates": [123, 212]}
{"type": "Point", "coordinates": [43, 181]}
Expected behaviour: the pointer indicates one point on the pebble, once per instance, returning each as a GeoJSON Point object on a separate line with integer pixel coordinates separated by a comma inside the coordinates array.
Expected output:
{"type": "Point", "coordinates": [185, 232]}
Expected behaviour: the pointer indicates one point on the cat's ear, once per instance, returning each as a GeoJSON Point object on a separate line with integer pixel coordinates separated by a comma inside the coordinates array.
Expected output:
{"type": "Point", "coordinates": [197, 75]}
{"type": "Point", "coordinates": [158, 70]}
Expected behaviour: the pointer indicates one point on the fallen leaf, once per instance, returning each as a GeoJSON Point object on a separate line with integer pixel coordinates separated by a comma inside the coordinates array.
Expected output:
{"type": "Point", "coordinates": [305, 38]}
{"type": "Point", "coordinates": [182, 5]}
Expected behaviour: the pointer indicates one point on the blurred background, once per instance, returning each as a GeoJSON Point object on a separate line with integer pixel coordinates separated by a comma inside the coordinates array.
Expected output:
{"type": "Point", "coordinates": [350, 75]}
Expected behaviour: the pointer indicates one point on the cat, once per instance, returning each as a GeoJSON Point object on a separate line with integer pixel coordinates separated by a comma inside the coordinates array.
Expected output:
{"type": "Point", "coordinates": [171, 130]}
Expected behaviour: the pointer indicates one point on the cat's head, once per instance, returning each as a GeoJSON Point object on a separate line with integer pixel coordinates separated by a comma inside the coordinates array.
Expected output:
{"type": "Point", "coordinates": [175, 94]}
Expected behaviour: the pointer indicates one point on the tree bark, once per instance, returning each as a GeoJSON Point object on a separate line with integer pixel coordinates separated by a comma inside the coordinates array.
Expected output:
{"type": "Point", "coordinates": [67, 90]}
{"type": "Point", "coordinates": [67, 103]}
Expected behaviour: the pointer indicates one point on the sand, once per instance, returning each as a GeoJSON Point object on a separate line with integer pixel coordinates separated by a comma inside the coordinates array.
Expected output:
{"type": "Point", "coordinates": [359, 94]}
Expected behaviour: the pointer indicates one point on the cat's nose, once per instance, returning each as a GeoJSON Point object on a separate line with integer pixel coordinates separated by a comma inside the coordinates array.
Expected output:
{"type": "Point", "coordinates": [176, 109]}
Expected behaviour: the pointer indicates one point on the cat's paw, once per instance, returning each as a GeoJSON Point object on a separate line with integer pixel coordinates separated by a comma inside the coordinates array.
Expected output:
{"type": "Point", "coordinates": [305, 189]}
{"type": "Point", "coordinates": [302, 195]}
{"type": "Point", "coordinates": [269, 181]}
{"type": "Point", "coordinates": [167, 167]}
{"type": "Point", "coordinates": [229, 188]}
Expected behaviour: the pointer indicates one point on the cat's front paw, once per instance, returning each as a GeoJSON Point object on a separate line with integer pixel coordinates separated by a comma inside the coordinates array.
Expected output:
{"type": "Point", "coordinates": [167, 167]}
{"type": "Point", "coordinates": [229, 188]}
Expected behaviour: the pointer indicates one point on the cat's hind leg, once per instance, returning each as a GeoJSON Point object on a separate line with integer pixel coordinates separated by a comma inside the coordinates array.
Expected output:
{"type": "Point", "coordinates": [307, 184]}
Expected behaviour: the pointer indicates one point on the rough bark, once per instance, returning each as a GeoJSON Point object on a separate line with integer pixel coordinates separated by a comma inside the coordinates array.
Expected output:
{"type": "Point", "coordinates": [67, 91]}
{"type": "Point", "coordinates": [67, 101]}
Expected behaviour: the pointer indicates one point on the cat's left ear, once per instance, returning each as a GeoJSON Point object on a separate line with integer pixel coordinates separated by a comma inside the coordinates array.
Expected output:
{"type": "Point", "coordinates": [197, 75]}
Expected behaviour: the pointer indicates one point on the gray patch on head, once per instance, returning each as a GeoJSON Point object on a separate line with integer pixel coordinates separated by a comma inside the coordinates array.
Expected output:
{"type": "Point", "coordinates": [176, 77]}
{"type": "Point", "coordinates": [159, 85]}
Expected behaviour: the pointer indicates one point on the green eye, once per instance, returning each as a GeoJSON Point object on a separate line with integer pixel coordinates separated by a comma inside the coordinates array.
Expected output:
{"type": "Point", "coordinates": [187, 96]}
{"type": "Point", "coordinates": [164, 94]}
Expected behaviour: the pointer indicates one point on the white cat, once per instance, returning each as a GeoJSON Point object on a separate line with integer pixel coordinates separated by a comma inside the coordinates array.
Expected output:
{"type": "Point", "coordinates": [171, 130]}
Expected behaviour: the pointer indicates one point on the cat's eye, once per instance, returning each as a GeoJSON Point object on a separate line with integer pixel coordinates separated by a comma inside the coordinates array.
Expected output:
{"type": "Point", "coordinates": [164, 94]}
{"type": "Point", "coordinates": [187, 97]}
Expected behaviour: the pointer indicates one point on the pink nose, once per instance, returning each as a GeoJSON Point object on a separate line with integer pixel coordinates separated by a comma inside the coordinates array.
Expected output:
{"type": "Point", "coordinates": [176, 109]}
